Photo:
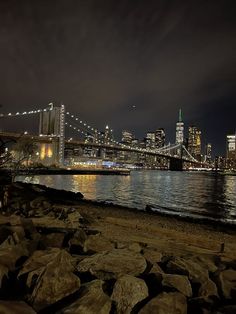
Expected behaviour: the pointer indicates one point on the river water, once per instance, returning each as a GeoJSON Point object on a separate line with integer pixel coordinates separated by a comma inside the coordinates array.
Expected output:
{"type": "Point", "coordinates": [208, 195]}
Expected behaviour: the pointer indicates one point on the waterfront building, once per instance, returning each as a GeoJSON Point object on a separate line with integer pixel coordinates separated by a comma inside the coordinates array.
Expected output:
{"type": "Point", "coordinates": [160, 137]}
{"type": "Point", "coordinates": [231, 151]}
{"type": "Point", "coordinates": [194, 142]}
{"type": "Point", "coordinates": [180, 129]}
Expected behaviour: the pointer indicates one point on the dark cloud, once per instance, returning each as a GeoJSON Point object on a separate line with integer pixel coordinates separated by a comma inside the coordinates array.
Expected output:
{"type": "Point", "coordinates": [100, 57]}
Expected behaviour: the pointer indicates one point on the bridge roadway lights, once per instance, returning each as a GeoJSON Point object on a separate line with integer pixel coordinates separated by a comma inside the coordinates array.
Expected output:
{"type": "Point", "coordinates": [176, 164]}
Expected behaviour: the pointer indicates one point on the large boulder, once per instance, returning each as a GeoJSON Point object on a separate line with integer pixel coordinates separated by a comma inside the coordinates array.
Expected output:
{"type": "Point", "coordinates": [208, 291]}
{"type": "Point", "coordinates": [113, 264]}
{"type": "Point", "coordinates": [152, 255]}
{"type": "Point", "coordinates": [10, 254]}
{"type": "Point", "coordinates": [97, 243]}
{"type": "Point", "coordinates": [50, 275]}
{"type": "Point", "coordinates": [227, 283]}
{"type": "Point", "coordinates": [76, 243]}
{"type": "Point", "coordinates": [54, 239]}
{"type": "Point", "coordinates": [15, 307]}
{"type": "Point", "coordinates": [207, 262]}
{"type": "Point", "coordinates": [127, 292]}
{"type": "Point", "coordinates": [207, 295]}
{"type": "Point", "coordinates": [92, 300]}
{"type": "Point", "coordinates": [178, 282]}
{"type": "Point", "coordinates": [171, 303]}
{"type": "Point", "coordinates": [188, 267]}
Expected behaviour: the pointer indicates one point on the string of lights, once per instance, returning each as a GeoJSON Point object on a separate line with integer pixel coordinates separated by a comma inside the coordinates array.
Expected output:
{"type": "Point", "coordinates": [9, 114]}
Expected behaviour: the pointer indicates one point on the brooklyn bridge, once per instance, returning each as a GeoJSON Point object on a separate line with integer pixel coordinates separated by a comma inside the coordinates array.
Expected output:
{"type": "Point", "coordinates": [91, 146]}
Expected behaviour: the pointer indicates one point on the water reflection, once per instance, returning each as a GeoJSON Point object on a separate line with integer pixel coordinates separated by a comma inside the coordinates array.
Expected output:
{"type": "Point", "coordinates": [193, 193]}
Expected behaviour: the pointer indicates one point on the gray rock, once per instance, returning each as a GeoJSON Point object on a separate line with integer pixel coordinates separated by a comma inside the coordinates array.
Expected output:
{"type": "Point", "coordinates": [152, 255]}
{"type": "Point", "coordinates": [77, 241]}
{"type": "Point", "coordinates": [113, 264]}
{"type": "Point", "coordinates": [15, 307]}
{"type": "Point", "coordinates": [195, 272]}
{"type": "Point", "coordinates": [166, 303]}
{"type": "Point", "coordinates": [207, 295]}
{"type": "Point", "coordinates": [207, 262]}
{"type": "Point", "coordinates": [227, 283]}
{"type": "Point", "coordinates": [228, 262]}
{"type": "Point", "coordinates": [50, 275]}
{"type": "Point", "coordinates": [135, 247]}
{"type": "Point", "coordinates": [97, 243]}
{"type": "Point", "coordinates": [178, 282]}
{"type": "Point", "coordinates": [10, 254]}
{"type": "Point", "coordinates": [73, 219]}
{"type": "Point", "coordinates": [54, 240]}
{"type": "Point", "coordinates": [91, 301]}
{"type": "Point", "coordinates": [127, 292]}
{"type": "Point", "coordinates": [208, 291]}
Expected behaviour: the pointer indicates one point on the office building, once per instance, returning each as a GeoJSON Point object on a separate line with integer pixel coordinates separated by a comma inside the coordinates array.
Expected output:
{"type": "Point", "coordinates": [208, 152]}
{"type": "Point", "coordinates": [150, 140]}
{"type": "Point", "coordinates": [160, 138]}
{"type": "Point", "coordinates": [194, 142]}
{"type": "Point", "coordinates": [231, 151]}
{"type": "Point", "coordinates": [180, 129]}
{"type": "Point", "coordinates": [108, 135]}
{"type": "Point", "coordinates": [127, 137]}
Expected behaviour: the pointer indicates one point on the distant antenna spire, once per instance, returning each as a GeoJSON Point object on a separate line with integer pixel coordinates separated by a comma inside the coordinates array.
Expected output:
{"type": "Point", "coordinates": [180, 115]}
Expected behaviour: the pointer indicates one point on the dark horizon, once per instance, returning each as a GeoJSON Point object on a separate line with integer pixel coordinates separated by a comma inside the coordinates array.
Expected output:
{"type": "Point", "coordinates": [100, 59]}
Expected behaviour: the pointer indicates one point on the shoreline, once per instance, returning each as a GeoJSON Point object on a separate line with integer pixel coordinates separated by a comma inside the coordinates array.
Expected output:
{"type": "Point", "coordinates": [86, 251]}
{"type": "Point", "coordinates": [48, 171]}
{"type": "Point", "coordinates": [222, 225]}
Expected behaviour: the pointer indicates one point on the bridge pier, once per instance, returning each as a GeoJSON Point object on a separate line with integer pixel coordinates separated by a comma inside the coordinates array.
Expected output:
{"type": "Point", "coordinates": [176, 164]}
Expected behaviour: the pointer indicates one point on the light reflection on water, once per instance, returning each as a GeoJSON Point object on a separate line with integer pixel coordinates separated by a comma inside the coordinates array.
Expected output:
{"type": "Point", "coordinates": [210, 195]}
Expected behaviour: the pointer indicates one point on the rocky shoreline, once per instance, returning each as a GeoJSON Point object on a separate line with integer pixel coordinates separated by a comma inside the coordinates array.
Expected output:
{"type": "Point", "coordinates": [61, 254]}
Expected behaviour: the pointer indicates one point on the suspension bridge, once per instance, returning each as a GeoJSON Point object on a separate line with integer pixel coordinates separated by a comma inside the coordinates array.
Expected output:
{"type": "Point", "coordinates": [54, 121]}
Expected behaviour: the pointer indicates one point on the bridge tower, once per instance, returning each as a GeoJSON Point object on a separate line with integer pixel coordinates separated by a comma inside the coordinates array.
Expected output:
{"type": "Point", "coordinates": [62, 135]}
{"type": "Point", "coordinates": [52, 124]}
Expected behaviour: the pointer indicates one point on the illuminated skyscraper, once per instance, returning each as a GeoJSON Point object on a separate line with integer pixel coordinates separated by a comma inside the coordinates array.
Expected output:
{"type": "Point", "coordinates": [208, 149]}
{"type": "Point", "coordinates": [180, 129]}
{"type": "Point", "coordinates": [150, 140]}
{"type": "Point", "coordinates": [194, 142]}
{"type": "Point", "coordinates": [108, 135]}
{"type": "Point", "coordinates": [127, 137]}
{"type": "Point", "coordinates": [231, 151]}
{"type": "Point", "coordinates": [160, 137]}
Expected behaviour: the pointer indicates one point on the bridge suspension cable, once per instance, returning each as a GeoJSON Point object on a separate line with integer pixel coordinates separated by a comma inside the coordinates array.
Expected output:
{"type": "Point", "coordinates": [84, 124]}
{"type": "Point", "coordinates": [7, 115]}
{"type": "Point", "coordinates": [190, 156]}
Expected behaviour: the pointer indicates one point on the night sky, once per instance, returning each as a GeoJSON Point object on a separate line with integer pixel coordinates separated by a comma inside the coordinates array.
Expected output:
{"type": "Point", "coordinates": [102, 57]}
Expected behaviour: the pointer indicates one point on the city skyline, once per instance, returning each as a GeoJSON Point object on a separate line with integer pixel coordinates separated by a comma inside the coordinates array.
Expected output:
{"type": "Point", "coordinates": [131, 62]}
{"type": "Point", "coordinates": [149, 139]}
